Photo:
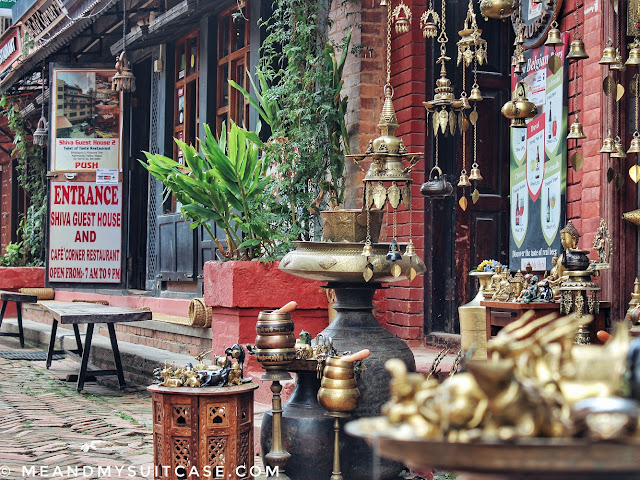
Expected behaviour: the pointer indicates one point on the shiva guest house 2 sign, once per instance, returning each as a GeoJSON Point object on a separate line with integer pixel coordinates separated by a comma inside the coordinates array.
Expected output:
{"type": "Point", "coordinates": [85, 232]}
{"type": "Point", "coordinates": [86, 124]}
{"type": "Point", "coordinates": [538, 167]}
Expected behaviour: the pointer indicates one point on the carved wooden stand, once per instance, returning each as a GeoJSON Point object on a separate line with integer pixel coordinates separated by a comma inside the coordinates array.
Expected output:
{"type": "Point", "coordinates": [209, 428]}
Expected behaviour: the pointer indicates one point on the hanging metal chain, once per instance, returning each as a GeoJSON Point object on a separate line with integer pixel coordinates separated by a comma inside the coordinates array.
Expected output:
{"type": "Point", "coordinates": [42, 79]}
{"type": "Point", "coordinates": [395, 223]}
{"type": "Point", "coordinates": [475, 109]}
{"type": "Point", "coordinates": [124, 25]}
{"type": "Point", "coordinates": [437, 153]}
{"type": "Point", "coordinates": [442, 38]}
{"type": "Point", "coordinates": [464, 132]}
{"type": "Point", "coordinates": [389, 43]}
{"type": "Point", "coordinates": [636, 95]}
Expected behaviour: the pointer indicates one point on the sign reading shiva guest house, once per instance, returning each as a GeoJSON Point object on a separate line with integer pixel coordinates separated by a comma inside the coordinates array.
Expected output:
{"type": "Point", "coordinates": [86, 124]}
{"type": "Point", "coordinates": [85, 232]}
{"type": "Point", "coordinates": [538, 173]}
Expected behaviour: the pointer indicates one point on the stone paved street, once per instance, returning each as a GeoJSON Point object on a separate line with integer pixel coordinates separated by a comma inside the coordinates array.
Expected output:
{"type": "Point", "coordinates": [47, 426]}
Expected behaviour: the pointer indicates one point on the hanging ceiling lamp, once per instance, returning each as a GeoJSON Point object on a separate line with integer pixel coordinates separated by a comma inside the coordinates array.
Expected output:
{"type": "Point", "coordinates": [41, 135]}
{"type": "Point", "coordinates": [123, 80]}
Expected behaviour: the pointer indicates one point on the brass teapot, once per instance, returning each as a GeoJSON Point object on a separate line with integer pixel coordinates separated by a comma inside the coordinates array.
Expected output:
{"type": "Point", "coordinates": [436, 186]}
{"type": "Point", "coordinates": [519, 107]}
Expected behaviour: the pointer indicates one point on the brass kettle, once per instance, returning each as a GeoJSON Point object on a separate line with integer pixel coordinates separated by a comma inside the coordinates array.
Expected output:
{"type": "Point", "coordinates": [437, 185]}
{"type": "Point", "coordinates": [519, 107]}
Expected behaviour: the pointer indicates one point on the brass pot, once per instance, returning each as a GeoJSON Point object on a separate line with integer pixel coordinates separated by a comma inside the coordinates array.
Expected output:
{"type": "Point", "coordinates": [275, 331]}
{"type": "Point", "coordinates": [340, 384]}
{"type": "Point", "coordinates": [497, 8]}
{"type": "Point", "coordinates": [338, 399]}
{"type": "Point", "coordinates": [350, 225]}
{"type": "Point", "coordinates": [275, 358]}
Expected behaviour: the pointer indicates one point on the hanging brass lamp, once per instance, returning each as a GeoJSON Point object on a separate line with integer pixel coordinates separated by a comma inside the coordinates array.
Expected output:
{"type": "Point", "coordinates": [634, 53]}
{"type": "Point", "coordinates": [608, 54]}
{"type": "Point", "coordinates": [608, 145]}
{"type": "Point", "coordinates": [41, 134]}
{"type": "Point", "coordinates": [497, 8]}
{"type": "Point", "coordinates": [576, 131]}
{"type": "Point", "coordinates": [634, 146]}
{"type": "Point", "coordinates": [576, 50]}
{"type": "Point", "coordinates": [123, 80]}
{"type": "Point", "coordinates": [554, 37]}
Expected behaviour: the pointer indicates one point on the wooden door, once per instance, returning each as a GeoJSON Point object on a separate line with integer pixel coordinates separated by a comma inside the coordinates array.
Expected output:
{"type": "Point", "coordinates": [464, 238]}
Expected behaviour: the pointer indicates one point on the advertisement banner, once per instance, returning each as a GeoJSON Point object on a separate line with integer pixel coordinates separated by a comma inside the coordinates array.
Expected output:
{"type": "Point", "coordinates": [538, 168]}
{"type": "Point", "coordinates": [86, 123]}
{"type": "Point", "coordinates": [85, 232]}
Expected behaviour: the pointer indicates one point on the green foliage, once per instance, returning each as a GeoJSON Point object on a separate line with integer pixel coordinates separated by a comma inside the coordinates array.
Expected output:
{"type": "Point", "coordinates": [225, 184]}
{"type": "Point", "coordinates": [31, 169]}
{"type": "Point", "coordinates": [298, 96]}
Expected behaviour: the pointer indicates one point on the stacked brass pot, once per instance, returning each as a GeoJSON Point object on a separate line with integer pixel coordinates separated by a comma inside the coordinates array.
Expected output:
{"type": "Point", "coordinates": [275, 341]}
{"type": "Point", "coordinates": [338, 390]}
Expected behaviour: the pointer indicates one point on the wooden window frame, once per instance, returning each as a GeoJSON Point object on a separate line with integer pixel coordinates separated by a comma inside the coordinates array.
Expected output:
{"type": "Point", "coordinates": [189, 85]}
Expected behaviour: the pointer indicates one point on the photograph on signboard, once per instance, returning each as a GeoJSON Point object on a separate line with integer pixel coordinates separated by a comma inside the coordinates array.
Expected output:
{"type": "Point", "coordinates": [86, 121]}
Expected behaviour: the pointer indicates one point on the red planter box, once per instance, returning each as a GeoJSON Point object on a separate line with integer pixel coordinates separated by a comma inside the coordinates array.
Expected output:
{"type": "Point", "coordinates": [237, 291]}
{"type": "Point", "coordinates": [14, 278]}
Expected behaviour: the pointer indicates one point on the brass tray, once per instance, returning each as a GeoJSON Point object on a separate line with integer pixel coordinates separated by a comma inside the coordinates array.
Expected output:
{"type": "Point", "coordinates": [343, 262]}
{"type": "Point", "coordinates": [567, 458]}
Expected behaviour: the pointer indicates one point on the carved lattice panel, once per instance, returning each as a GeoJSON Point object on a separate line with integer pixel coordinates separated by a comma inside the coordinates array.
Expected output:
{"type": "Point", "coordinates": [243, 453]}
{"type": "Point", "coordinates": [245, 411]}
{"type": "Point", "coordinates": [181, 415]}
{"type": "Point", "coordinates": [216, 452]}
{"type": "Point", "coordinates": [157, 412]}
{"type": "Point", "coordinates": [157, 454]}
{"type": "Point", "coordinates": [181, 456]}
{"type": "Point", "coordinates": [217, 415]}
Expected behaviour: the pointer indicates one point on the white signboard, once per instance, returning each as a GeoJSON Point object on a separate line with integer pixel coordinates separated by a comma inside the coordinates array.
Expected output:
{"type": "Point", "coordinates": [85, 232]}
{"type": "Point", "coordinates": [86, 121]}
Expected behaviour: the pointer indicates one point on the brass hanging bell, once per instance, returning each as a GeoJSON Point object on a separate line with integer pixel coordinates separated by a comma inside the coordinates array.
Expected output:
{"type": "Point", "coordinates": [619, 149]}
{"type": "Point", "coordinates": [464, 179]}
{"type": "Point", "coordinates": [577, 51]}
{"type": "Point", "coordinates": [634, 146]}
{"type": "Point", "coordinates": [475, 173]}
{"type": "Point", "coordinates": [410, 251]}
{"type": "Point", "coordinates": [608, 145]}
{"type": "Point", "coordinates": [576, 131]}
{"type": "Point", "coordinates": [367, 251]}
{"type": "Point", "coordinates": [394, 252]}
{"type": "Point", "coordinates": [517, 69]}
{"type": "Point", "coordinates": [554, 37]}
{"type": "Point", "coordinates": [521, 58]}
{"type": "Point", "coordinates": [383, 3]}
{"type": "Point", "coordinates": [475, 95]}
{"type": "Point", "coordinates": [464, 102]}
{"type": "Point", "coordinates": [634, 54]}
{"type": "Point", "coordinates": [618, 65]}
{"type": "Point", "coordinates": [608, 56]}
{"type": "Point", "coordinates": [41, 135]}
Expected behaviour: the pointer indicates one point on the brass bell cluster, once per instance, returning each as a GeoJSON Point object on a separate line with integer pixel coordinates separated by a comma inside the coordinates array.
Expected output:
{"type": "Point", "coordinates": [519, 108]}
{"type": "Point", "coordinates": [612, 59]}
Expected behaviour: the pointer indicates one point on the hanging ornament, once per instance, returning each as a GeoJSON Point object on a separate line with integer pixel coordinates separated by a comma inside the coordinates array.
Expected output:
{"type": "Point", "coordinates": [634, 53]}
{"type": "Point", "coordinates": [497, 8]}
{"type": "Point", "coordinates": [429, 22]}
{"type": "Point", "coordinates": [123, 80]}
{"type": "Point", "coordinates": [402, 18]}
{"type": "Point", "coordinates": [608, 54]}
{"type": "Point", "coordinates": [41, 134]}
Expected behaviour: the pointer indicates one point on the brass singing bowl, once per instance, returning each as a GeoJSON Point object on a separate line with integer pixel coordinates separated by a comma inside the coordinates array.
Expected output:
{"type": "Point", "coordinates": [275, 341]}
{"type": "Point", "coordinates": [343, 262]}
{"type": "Point", "coordinates": [274, 358]}
{"type": "Point", "coordinates": [338, 384]}
{"type": "Point", "coordinates": [338, 399]}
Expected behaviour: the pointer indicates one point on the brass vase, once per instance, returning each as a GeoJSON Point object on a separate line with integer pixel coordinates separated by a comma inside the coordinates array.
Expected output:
{"type": "Point", "coordinates": [473, 333]}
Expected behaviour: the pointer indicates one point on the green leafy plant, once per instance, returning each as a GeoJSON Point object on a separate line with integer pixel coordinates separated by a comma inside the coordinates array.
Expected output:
{"type": "Point", "coordinates": [298, 95]}
{"type": "Point", "coordinates": [225, 184]}
{"type": "Point", "coordinates": [31, 175]}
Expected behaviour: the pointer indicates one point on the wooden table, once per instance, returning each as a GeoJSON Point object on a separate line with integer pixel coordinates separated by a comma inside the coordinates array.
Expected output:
{"type": "Point", "coordinates": [19, 298]}
{"type": "Point", "coordinates": [75, 313]}
{"type": "Point", "coordinates": [500, 314]}
{"type": "Point", "coordinates": [203, 427]}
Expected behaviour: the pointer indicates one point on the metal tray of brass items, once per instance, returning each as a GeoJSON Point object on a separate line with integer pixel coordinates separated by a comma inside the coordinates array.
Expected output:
{"type": "Point", "coordinates": [527, 458]}
{"type": "Point", "coordinates": [343, 262]}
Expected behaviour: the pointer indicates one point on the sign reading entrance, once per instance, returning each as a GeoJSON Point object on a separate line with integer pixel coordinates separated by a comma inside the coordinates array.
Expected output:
{"type": "Point", "coordinates": [85, 232]}
{"type": "Point", "coordinates": [86, 122]}
{"type": "Point", "coordinates": [538, 164]}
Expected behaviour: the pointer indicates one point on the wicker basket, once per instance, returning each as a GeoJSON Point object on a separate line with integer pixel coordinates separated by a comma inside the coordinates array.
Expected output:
{"type": "Point", "coordinates": [199, 313]}
{"type": "Point", "coordinates": [40, 292]}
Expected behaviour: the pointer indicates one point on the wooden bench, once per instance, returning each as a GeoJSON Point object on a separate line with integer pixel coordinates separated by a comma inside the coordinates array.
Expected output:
{"type": "Point", "coordinates": [19, 298]}
{"type": "Point", "coordinates": [75, 313]}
